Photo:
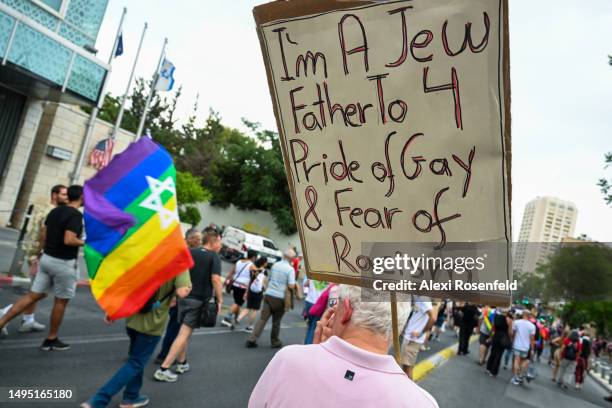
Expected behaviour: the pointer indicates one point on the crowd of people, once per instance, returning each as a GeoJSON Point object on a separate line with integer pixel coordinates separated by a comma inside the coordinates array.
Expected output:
{"type": "Point", "coordinates": [346, 335]}
{"type": "Point", "coordinates": [516, 338]}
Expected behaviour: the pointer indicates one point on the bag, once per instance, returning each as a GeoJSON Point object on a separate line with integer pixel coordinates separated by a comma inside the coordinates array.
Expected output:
{"type": "Point", "coordinates": [153, 303]}
{"type": "Point", "coordinates": [570, 352]}
{"type": "Point", "coordinates": [208, 315]}
{"type": "Point", "coordinates": [230, 282]}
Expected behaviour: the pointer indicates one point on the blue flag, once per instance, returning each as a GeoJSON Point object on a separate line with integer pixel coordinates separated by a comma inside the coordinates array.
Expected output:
{"type": "Point", "coordinates": [119, 50]}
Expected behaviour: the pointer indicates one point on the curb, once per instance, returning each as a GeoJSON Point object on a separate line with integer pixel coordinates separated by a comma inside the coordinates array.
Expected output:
{"type": "Point", "coordinates": [601, 381]}
{"type": "Point", "coordinates": [20, 281]}
{"type": "Point", "coordinates": [425, 367]}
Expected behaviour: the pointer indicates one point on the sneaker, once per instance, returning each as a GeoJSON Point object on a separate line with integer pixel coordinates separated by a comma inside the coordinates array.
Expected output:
{"type": "Point", "coordinates": [276, 345]}
{"type": "Point", "coordinates": [227, 323]}
{"type": "Point", "coordinates": [248, 329]}
{"type": "Point", "coordinates": [85, 405]}
{"type": "Point", "coordinates": [31, 326]}
{"type": "Point", "coordinates": [515, 381]}
{"type": "Point", "coordinates": [141, 401]}
{"type": "Point", "coordinates": [181, 368]}
{"type": "Point", "coordinates": [251, 344]}
{"type": "Point", "coordinates": [165, 375]}
{"type": "Point", "coordinates": [56, 345]}
{"type": "Point", "coordinates": [47, 345]}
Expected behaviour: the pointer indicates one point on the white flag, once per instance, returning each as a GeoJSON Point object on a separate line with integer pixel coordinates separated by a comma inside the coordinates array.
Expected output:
{"type": "Point", "coordinates": [165, 77]}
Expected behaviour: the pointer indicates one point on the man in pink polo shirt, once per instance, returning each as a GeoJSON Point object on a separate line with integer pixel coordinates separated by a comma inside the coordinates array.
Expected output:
{"type": "Point", "coordinates": [347, 365]}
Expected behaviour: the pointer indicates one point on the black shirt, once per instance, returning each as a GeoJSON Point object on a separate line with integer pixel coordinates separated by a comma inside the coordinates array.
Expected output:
{"type": "Point", "coordinates": [470, 316]}
{"type": "Point", "coordinates": [60, 220]}
{"type": "Point", "coordinates": [205, 264]}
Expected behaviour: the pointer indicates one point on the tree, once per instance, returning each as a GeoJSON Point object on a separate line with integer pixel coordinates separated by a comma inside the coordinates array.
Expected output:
{"type": "Point", "coordinates": [530, 285]}
{"type": "Point", "coordinates": [606, 184]}
{"type": "Point", "coordinates": [250, 174]}
{"type": "Point", "coordinates": [189, 190]}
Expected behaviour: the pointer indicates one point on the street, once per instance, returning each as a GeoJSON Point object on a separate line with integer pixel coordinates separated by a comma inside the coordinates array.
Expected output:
{"type": "Point", "coordinates": [223, 371]}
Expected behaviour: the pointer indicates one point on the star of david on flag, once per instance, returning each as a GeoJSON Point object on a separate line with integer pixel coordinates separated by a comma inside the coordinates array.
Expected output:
{"type": "Point", "coordinates": [165, 77]}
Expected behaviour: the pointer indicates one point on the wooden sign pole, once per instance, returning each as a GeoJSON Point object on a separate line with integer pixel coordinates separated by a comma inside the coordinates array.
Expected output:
{"type": "Point", "coordinates": [395, 324]}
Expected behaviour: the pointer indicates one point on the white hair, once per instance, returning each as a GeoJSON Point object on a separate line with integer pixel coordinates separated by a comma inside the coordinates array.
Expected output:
{"type": "Point", "coordinates": [372, 309]}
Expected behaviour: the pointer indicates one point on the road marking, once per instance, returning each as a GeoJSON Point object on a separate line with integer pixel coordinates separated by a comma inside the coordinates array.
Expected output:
{"type": "Point", "coordinates": [107, 338]}
{"type": "Point", "coordinates": [425, 367]}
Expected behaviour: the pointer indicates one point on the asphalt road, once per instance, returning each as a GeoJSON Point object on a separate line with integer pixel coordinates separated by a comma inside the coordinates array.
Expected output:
{"type": "Point", "coordinates": [223, 372]}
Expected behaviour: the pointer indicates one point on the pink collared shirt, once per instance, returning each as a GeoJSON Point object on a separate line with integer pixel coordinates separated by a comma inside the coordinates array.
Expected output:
{"type": "Point", "coordinates": [336, 374]}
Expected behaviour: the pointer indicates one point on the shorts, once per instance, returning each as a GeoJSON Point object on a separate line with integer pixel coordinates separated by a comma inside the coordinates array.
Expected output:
{"type": "Point", "coordinates": [482, 339]}
{"type": "Point", "coordinates": [61, 274]}
{"type": "Point", "coordinates": [524, 354]}
{"type": "Point", "coordinates": [410, 351]}
{"type": "Point", "coordinates": [189, 312]}
{"type": "Point", "coordinates": [238, 295]}
{"type": "Point", "coordinates": [254, 300]}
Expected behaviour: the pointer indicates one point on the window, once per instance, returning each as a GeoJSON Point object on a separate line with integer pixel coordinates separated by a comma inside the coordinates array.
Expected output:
{"type": "Point", "coordinates": [56, 7]}
{"type": "Point", "coordinates": [269, 244]}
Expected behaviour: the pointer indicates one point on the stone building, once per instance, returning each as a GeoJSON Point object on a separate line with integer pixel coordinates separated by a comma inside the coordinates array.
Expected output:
{"type": "Point", "coordinates": [48, 64]}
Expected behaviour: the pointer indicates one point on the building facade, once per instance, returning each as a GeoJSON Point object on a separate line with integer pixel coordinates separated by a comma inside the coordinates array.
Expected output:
{"type": "Point", "coordinates": [546, 222]}
{"type": "Point", "coordinates": [47, 59]}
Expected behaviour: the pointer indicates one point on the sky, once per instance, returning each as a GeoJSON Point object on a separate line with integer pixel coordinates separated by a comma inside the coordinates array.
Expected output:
{"type": "Point", "coordinates": [560, 78]}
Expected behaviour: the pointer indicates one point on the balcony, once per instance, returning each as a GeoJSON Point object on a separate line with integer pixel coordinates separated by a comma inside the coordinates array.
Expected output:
{"type": "Point", "coordinates": [43, 55]}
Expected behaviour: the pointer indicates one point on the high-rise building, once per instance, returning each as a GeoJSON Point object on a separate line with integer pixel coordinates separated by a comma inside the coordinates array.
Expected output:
{"type": "Point", "coordinates": [546, 221]}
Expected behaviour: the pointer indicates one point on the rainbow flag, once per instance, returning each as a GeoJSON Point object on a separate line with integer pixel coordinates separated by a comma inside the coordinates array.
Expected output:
{"type": "Point", "coordinates": [134, 241]}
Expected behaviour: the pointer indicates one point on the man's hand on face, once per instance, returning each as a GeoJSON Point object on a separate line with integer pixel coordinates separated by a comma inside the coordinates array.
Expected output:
{"type": "Point", "coordinates": [324, 326]}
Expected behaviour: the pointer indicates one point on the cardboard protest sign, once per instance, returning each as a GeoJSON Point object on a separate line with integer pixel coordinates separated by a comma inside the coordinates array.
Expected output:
{"type": "Point", "coordinates": [394, 123]}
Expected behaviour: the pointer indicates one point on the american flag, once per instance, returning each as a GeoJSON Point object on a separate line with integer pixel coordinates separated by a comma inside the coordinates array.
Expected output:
{"type": "Point", "coordinates": [101, 154]}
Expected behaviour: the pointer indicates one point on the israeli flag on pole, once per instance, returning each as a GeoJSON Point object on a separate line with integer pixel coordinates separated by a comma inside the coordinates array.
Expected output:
{"type": "Point", "coordinates": [165, 77]}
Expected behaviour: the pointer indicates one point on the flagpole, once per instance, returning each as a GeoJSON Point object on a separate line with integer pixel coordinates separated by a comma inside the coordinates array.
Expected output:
{"type": "Point", "coordinates": [129, 84]}
{"type": "Point", "coordinates": [155, 76]}
{"type": "Point", "coordinates": [76, 174]}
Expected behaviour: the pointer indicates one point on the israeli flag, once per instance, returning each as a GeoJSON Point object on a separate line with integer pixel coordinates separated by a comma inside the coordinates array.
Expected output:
{"type": "Point", "coordinates": [165, 77]}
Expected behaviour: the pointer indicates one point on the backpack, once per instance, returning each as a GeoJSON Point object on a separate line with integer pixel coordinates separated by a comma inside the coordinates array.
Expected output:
{"type": "Point", "coordinates": [571, 351]}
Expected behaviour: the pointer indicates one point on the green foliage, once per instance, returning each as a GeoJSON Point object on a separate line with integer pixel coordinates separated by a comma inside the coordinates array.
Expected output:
{"type": "Point", "coordinates": [250, 174]}
{"type": "Point", "coordinates": [599, 313]}
{"type": "Point", "coordinates": [580, 275]}
{"type": "Point", "coordinates": [580, 272]}
{"type": "Point", "coordinates": [189, 190]}
{"type": "Point", "coordinates": [228, 166]}
{"type": "Point", "coordinates": [606, 184]}
{"type": "Point", "coordinates": [530, 285]}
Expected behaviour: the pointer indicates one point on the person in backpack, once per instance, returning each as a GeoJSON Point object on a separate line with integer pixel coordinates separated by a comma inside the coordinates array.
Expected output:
{"type": "Point", "coordinates": [239, 279]}
{"type": "Point", "coordinates": [570, 351]}
{"type": "Point", "coordinates": [254, 293]}
{"type": "Point", "coordinates": [582, 364]}
{"type": "Point", "coordinates": [205, 276]}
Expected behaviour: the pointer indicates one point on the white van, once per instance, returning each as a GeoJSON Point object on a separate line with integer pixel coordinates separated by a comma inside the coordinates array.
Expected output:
{"type": "Point", "coordinates": [237, 242]}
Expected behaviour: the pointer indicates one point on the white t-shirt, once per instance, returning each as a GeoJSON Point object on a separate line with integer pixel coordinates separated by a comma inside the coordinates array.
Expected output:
{"type": "Point", "coordinates": [315, 288]}
{"type": "Point", "coordinates": [522, 329]}
{"type": "Point", "coordinates": [257, 285]}
{"type": "Point", "coordinates": [418, 320]}
{"type": "Point", "coordinates": [242, 274]}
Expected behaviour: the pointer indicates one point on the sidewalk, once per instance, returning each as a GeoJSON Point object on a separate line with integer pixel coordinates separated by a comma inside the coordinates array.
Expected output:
{"type": "Point", "coordinates": [461, 383]}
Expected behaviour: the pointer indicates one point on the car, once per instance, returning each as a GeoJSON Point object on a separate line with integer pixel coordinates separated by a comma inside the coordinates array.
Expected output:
{"type": "Point", "coordinates": [236, 243]}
